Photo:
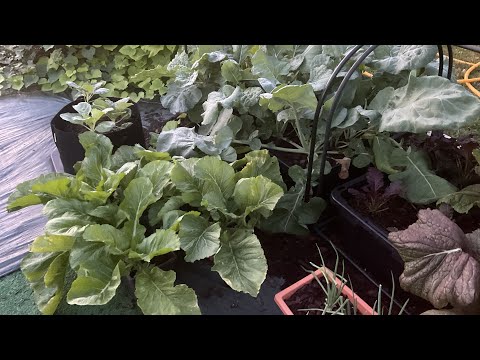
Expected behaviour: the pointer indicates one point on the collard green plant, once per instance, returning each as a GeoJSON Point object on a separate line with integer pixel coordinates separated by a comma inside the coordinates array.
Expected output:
{"type": "Point", "coordinates": [442, 264]}
{"type": "Point", "coordinates": [90, 113]}
{"type": "Point", "coordinates": [412, 167]}
{"type": "Point", "coordinates": [98, 227]}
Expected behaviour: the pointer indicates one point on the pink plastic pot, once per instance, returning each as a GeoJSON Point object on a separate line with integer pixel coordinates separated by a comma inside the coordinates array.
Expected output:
{"type": "Point", "coordinates": [362, 307]}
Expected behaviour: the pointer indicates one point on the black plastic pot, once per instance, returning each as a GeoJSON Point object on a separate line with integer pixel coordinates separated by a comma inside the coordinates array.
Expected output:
{"type": "Point", "coordinates": [364, 240]}
{"type": "Point", "coordinates": [69, 146]}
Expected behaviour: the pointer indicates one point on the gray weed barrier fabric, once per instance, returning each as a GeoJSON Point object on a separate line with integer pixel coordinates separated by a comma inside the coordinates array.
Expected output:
{"type": "Point", "coordinates": [25, 147]}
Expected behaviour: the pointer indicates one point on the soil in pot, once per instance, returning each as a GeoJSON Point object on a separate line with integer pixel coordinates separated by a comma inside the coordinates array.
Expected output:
{"type": "Point", "coordinates": [399, 214]}
{"type": "Point", "coordinates": [288, 256]}
{"type": "Point", "coordinates": [361, 287]}
{"type": "Point", "coordinates": [310, 296]}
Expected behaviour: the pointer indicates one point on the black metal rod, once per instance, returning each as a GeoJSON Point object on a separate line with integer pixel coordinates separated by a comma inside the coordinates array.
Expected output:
{"type": "Point", "coordinates": [450, 62]}
{"type": "Point", "coordinates": [336, 101]}
{"type": "Point", "coordinates": [320, 104]}
{"type": "Point", "coordinates": [318, 112]}
{"type": "Point", "coordinates": [440, 60]}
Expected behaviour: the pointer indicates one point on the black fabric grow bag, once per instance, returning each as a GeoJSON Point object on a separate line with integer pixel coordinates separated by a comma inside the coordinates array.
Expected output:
{"type": "Point", "coordinates": [69, 146]}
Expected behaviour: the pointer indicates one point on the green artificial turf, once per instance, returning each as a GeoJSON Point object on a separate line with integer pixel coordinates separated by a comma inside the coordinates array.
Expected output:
{"type": "Point", "coordinates": [16, 298]}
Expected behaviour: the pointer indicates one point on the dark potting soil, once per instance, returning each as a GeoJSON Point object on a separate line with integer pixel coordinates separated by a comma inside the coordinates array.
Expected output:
{"type": "Point", "coordinates": [310, 296]}
{"type": "Point", "coordinates": [362, 286]}
{"type": "Point", "coordinates": [399, 214]}
{"type": "Point", "coordinates": [288, 256]}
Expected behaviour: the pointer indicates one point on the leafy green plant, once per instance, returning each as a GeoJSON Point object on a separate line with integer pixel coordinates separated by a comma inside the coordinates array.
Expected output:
{"type": "Point", "coordinates": [265, 95]}
{"type": "Point", "coordinates": [271, 88]}
{"type": "Point", "coordinates": [465, 199]}
{"type": "Point", "coordinates": [89, 112]}
{"type": "Point", "coordinates": [120, 211]}
{"type": "Point", "coordinates": [442, 263]}
{"type": "Point", "coordinates": [134, 71]}
{"type": "Point", "coordinates": [375, 194]}
{"type": "Point", "coordinates": [335, 303]}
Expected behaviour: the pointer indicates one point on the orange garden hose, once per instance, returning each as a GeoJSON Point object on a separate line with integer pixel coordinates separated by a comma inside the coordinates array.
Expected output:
{"type": "Point", "coordinates": [469, 85]}
{"type": "Point", "coordinates": [466, 80]}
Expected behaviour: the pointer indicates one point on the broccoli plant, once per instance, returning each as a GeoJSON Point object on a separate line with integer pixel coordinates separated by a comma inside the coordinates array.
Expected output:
{"type": "Point", "coordinates": [100, 115]}
{"type": "Point", "coordinates": [375, 195]}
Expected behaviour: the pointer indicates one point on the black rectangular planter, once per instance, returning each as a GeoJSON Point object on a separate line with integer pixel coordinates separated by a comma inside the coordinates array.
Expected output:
{"type": "Point", "coordinates": [319, 231]}
{"type": "Point", "coordinates": [364, 240]}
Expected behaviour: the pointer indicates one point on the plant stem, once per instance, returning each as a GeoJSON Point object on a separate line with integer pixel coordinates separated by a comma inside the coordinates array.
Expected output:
{"type": "Point", "coordinates": [301, 137]}
{"type": "Point", "coordinates": [291, 142]}
{"type": "Point", "coordinates": [272, 147]}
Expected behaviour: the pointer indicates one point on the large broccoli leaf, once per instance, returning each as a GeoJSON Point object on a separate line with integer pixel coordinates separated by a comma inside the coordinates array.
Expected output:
{"type": "Point", "coordinates": [426, 103]}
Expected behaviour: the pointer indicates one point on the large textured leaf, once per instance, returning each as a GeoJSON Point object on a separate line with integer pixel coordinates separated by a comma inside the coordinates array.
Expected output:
{"type": "Point", "coordinates": [211, 107]}
{"type": "Point", "coordinates": [422, 185]}
{"type": "Point", "coordinates": [122, 155]}
{"type": "Point", "coordinates": [182, 176]}
{"type": "Point", "coordinates": [429, 103]}
{"type": "Point", "coordinates": [98, 151]}
{"type": "Point", "coordinates": [217, 178]}
{"type": "Point", "coordinates": [182, 95]}
{"type": "Point", "coordinates": [160, 208]}
{"type": "Point", "coordinates": [58, 207]}
{"type": "Point", "coordinates": [259, 162]}
{"type": "Point", "coordinates": [159, 243]}
{"type": "Point", "coordinates": [109, 213]}
{"type": "Point", "coordinates": [158, 172]}
{"type": "Point", "coordinates": [241, 261]}
{"type": "Point", "coordinates": [58, 187]}
{"type": "Point", "coordinates": [94, 287]}
{"type": "Point", "coordinates": [269, 68]}
{"type": "Point", "coordinates": [135, 231]}
{"type": "Point", "coordinates": [88, 254]}
{"type": "Point", "coordinates": [115, 240]}
{"type": "Point", "coordinates": [439, 264]}
{"type": "Point", "coordinates": [396, 58]}
{"type": "Point", "coordinates": [52, 243]}
{"type": "Point", "coordinates": [462, 201]}
{"type": "Point", "coordinates": [232, 72]}
{"type": "Point", "coordinates": [157, 295]}
{"type": "Point", "coordinates": [292, 214]}
{"type": "Point", "coordinates": [198, 237]}
{"type": "Point", "coordinates": [383, 147]}
{"type": "Point", "coordinates": [137, 197]}
{"type": "Point", "coordinates": [46, 275]}
{"type": "Point", "coordinates": [295, 96]}
{"type": "Point", "coordinates": [150, 155]}
{"type": "Point", "coordinates": [24, 196]}
{"type": "Point", "coordinates": [177, 142]}
{"type": "Point", "coordinates": [257, 194]}
{"type": "Point", "coordinates": [319, 77]}
{"type": "Point", "coordinates": [68, 224]}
